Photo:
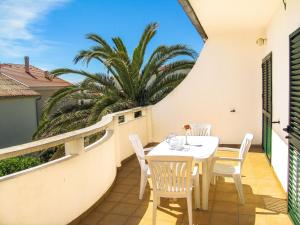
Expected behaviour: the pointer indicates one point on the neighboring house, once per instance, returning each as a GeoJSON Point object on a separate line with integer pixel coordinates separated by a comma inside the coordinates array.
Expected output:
{"type": "Point", "coordinates": [36, 79]}
{"type": "Point", "coordinates": [23, 91]}
{"type": "Point", "coordinates": [18, 116]}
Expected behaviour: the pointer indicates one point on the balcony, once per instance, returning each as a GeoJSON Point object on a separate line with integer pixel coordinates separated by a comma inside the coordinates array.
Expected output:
{"type": "Point", "coordinates": [265, 200]}
{"type": "Point", "coordinates": [98, 183]}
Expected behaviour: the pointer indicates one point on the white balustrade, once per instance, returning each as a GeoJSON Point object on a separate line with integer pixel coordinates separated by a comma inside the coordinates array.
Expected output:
{"type": "Point", "coordinates": [61, 190]}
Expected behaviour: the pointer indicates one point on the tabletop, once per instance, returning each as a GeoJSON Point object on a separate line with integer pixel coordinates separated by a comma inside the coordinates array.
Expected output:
{"type": "Point", "coordinates": [200, 147]}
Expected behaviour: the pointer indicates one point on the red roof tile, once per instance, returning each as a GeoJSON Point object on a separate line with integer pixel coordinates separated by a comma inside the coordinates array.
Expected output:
{"type": "Point", "coordinates": [36, 77]}
{"type": "Point", "coordinates": [10, 88]}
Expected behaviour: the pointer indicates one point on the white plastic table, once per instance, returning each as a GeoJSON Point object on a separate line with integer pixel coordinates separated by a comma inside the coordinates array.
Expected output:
{"type": "Point", "coordinates": [202, 148]}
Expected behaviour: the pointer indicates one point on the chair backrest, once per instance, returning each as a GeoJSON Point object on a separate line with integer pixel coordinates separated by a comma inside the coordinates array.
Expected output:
{"type": "Point", "coordinates": [245, 146]}
{"type": "Point", "coordinates": [200, 129]}
{"type": "Point", "coordinates": [138, 148]}
{"type": "Point", "coordinates": [170, 174]}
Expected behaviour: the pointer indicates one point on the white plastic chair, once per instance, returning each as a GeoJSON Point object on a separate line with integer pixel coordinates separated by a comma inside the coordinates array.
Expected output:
{"type": "Point", "coordinates": [172, 177]}
{"type": "Point", "coordinates": [200, 129]}
{"type": "Point", "coordinates": [140, 153]}
{"type": "Point", "coordinates": [227, 170]}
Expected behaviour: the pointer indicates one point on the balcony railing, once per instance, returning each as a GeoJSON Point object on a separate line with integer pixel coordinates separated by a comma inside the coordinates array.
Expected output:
{"type": "Point", "coordinates": [59, 191]}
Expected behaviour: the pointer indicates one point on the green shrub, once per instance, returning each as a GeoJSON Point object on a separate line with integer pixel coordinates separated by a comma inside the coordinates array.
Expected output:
{"type": "Point", "coordinates": [12, 165]}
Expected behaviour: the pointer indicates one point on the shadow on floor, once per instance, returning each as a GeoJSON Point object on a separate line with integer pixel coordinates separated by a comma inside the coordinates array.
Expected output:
{"type": "Point", "coordinates": [122, 206]}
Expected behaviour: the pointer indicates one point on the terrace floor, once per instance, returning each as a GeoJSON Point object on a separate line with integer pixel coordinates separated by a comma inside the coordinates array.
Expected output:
{"type": "Point", "coordinates": [265, 200]}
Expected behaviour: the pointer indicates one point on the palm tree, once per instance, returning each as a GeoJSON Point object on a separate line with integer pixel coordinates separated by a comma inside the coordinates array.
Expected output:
{"type": "Point", "coordinates": [129, 82]}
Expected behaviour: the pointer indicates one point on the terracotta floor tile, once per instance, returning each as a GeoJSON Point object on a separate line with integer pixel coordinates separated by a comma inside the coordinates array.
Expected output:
{"type": "Point", "coordinates": [203, 218]}
{"type": "Point", "coordinates": [132, 199]}
{"type": "Point", "coordinates": [225, 207]}
{"type": "Point", "coordinates": [133, 221]}
{"type": "Point", "coordinates": [121, 188]}
{"type": "Point", "coordinates": [247, 209]}
{"type": "Point", "coordinates": [225, 187]}
{"type": "Point", "coordinates": [265, 200]}
{"type": "Point", "coordinates": [134, 176]}
{"type": "Point", "coordinates": [226, 197]}
{"type": "Point", "coordinates": [123, 174]}
{"type": "Point", "coordinates": [105, 207]}
{"type": "Point", "coordinates": [168, 216]}
{"type": "Point", "coordinates": [116, 197]}
{"type": "Point", "coordinates": [260, 220]}
{"type": "Point", "coordinates": [276, 205]}
{"type": "Point", "coordinates": [124, 209]}
{"type": "Point", "coordinates": [246, 220]}
{"type": "Point", "coordinates": [254, 199]}
{"type": "Point", "coordinates": [224, 219]}
{"type": "Point", "coordinates": [92, 219]}
{"type": "Point", "coordinates": [112, 219]}
{"type": "Point", "coordinates": [278, 220]}
{"type": "Point", "coordinates": [129, 181]}
{"type": "Point", "coordinates": [147, 221]}
{"type": "Point", "coordinates": [143, 211]}
{"type": "Point", "coordinates": [136, 189]}
{"type": "Point", "coordinates": [199, 217]}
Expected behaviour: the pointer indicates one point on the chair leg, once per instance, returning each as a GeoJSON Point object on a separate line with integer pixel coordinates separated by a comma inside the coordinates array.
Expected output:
{"type": "Point", "coordinates": [197, 192]}
{"type": "Point", "coordinates": [154, 209]}
{"type": "Point", "coordinates": [239, 187]}
{"type": "Point", "coordinates": [190, 210]}
{"type": "Point", "coordinates": [143, 184]}
{"type": "Point", "coordinates": [213, 180]}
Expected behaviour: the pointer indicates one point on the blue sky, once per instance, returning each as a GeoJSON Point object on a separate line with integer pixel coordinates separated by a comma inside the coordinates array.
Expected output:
{"type": "Point", "coordinates": [51, 32]}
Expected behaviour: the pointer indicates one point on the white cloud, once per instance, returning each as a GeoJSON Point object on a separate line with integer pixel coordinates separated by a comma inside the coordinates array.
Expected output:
{"type": "Point", "coordinates": [17, 18]}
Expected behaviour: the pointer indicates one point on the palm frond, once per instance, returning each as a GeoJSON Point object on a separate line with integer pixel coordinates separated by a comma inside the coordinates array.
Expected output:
{"type": "Point", "coordinates": [130, 82]}
{"type": "Point", "coordinates": [139, 52]}
{"type": "Point", "coordinates": [56, 97]}
{"type": "Point", "coordinates": [98, 39]}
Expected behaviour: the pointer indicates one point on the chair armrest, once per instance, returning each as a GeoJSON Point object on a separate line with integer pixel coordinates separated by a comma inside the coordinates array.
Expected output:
{"type": "Point", "coordinates": [227, 159]}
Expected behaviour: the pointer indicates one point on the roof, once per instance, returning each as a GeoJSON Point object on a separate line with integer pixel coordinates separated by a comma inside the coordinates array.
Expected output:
{"type": "Point", "coordinates": [36, 77]}
{"type": "Point", "coordinates": [11, 88]}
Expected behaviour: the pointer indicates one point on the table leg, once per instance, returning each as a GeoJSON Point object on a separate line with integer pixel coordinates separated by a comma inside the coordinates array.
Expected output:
{"type": "Point", "coordinates": [197, 191]}
{"type": "Point", "coordinates": [205, 184]}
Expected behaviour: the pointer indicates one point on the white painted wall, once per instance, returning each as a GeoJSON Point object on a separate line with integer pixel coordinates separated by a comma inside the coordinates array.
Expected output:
{"type": "Point", "coordinates": [58, 193]}
{"type": "Point", "coordinates": [45, 94]}
{"type": "Point", "coordinates": [283, 23]}
{"type": "Point", "coordinates": [131, 125]}
{"type": "Point", "coordinates": [18, 120]}
{"type": "Point", "coordinates": [227, 75]}
{"type": "Point", "coordinates": [279, 159]}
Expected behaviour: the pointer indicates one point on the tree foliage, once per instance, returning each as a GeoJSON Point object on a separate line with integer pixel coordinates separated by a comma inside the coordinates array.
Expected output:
{"type": "Point", "coordinates": [130, 81]}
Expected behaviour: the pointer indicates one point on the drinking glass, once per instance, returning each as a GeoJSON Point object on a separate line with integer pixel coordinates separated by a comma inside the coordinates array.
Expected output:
{"type": "Point", "coordinates": [170, 137]}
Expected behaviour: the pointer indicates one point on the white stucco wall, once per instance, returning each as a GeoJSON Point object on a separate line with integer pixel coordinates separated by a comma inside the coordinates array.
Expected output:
{"type": "Point", "coordinates": [18, 120]}
{"type": "Point", "coordinates": [227, 75]}
{"type": "Point", "coordinates": [138, 126]}
{"type": "Point", "coordinates": [283, 23]}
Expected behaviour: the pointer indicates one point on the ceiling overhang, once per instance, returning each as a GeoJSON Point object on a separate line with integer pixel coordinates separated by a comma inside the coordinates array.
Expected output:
{"type": "Point", "coordinates": [212, 17]}
{"type": "Point", "coordinates": [193, 17]}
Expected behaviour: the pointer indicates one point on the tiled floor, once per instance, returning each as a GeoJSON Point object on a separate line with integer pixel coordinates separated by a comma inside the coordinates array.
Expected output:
{"type": "Point", "coordinates": [265, 201]}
